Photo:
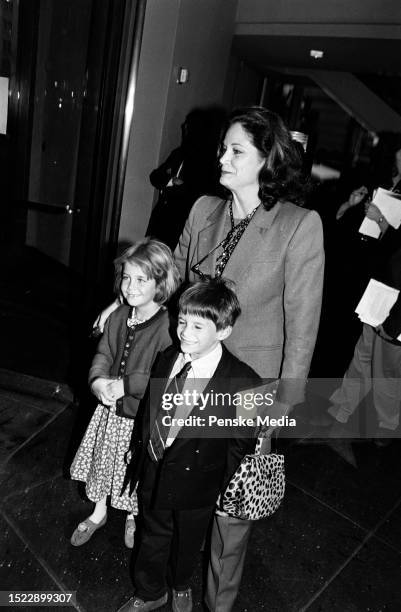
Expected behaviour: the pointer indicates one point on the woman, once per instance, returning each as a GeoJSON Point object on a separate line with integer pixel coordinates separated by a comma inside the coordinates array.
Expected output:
{"type": "Point", "coordinates": [273, 250]}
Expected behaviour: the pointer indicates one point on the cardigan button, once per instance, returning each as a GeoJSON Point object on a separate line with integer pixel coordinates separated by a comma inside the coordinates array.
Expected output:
{"type": "Point", "coordinates": [188, 469]}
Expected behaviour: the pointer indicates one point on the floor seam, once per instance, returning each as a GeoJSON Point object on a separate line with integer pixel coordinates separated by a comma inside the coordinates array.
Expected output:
{"type": "Point", "coordinates": [385, 543]}
{"type": "Point", "coordinates": [369, 536]}
{"type": "Point", "coordinates": [39, 559]}
{"type": "Point", "coordinates": [30, 438]}
{"type": "Point", "coordinates": [28, 488]}
{"type": "Point", "coordinates": [25, 403]}
{"type": "Point", "coordinates": [326, 505]}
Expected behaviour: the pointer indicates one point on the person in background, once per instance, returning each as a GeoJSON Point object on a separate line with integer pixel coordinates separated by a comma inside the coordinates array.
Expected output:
{"type": "Point", "coordinates": [189, 171]}
{"type": "Point", "coordinates": [134, 334]}
{"type": "Point", "coordinates": [352, 258]}
{"type": "Point", "coordinates": [375, 368]}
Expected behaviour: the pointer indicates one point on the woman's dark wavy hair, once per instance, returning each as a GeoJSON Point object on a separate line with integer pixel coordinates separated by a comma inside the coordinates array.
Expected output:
{"type": "Point", "coordinates": [282, 176]}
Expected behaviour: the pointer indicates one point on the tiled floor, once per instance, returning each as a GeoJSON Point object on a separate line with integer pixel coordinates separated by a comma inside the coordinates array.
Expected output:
{"type": "Point", "coordinates": [334, 545]}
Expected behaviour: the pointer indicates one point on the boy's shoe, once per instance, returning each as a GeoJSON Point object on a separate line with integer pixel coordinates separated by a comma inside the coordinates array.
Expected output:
{"type": "Point", "coordinates": [135, 604]}
{"type": "Point", "coordinates": [85, 531]}
{"type": "Point", "coordinates": [129, 533]}
{"type": "Point", "coordinates": [182, 601]}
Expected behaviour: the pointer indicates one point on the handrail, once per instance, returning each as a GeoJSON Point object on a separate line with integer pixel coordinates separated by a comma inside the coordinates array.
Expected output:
{"type": "Point", "coordinates": [50, 208]}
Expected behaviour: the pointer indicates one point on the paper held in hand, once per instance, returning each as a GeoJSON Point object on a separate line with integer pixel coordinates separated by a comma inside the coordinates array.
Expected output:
{"type": "Point", "coordinates": [376, 303]}
{"type": "Point", "coordinates": [389, 204]}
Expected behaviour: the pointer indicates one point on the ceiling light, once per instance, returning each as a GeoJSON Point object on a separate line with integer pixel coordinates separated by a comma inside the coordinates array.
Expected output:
{"type": "Point", "coordinates": [316, 53]}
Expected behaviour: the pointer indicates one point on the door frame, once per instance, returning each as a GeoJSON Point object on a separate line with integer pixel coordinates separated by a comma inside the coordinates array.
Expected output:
{"type": "Point", "coordinates": [117, 83]}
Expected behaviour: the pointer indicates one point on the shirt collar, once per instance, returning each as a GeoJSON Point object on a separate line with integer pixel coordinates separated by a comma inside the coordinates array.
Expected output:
{"type": "Point", "coordinates": [204, 367]}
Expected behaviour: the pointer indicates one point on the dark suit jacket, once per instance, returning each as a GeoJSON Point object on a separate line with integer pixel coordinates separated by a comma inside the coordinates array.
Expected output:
{"type": "Point", "coordinates": [193, 470]}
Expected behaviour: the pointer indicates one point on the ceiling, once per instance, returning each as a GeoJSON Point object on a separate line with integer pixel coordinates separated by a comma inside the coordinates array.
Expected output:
{"type": "Point", "coordinates": [356, 55]}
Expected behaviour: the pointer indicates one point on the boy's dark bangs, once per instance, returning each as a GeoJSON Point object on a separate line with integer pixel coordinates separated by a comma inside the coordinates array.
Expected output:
{"type": "Point", "coordinates": [204, 311]}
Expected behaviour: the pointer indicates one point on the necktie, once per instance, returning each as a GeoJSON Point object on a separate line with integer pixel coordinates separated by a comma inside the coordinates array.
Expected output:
{"type": "Point", "coordinates": [159, 433]}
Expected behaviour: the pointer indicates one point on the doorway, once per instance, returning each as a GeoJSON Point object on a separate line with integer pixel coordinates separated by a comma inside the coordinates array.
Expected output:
{"type": "Point", "coordinates": [66, 66]}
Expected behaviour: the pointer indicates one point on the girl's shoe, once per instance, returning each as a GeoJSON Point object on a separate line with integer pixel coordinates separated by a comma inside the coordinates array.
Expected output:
{"type": "Point", "coordinates": [129, 533]}
{"type": "Point", "coordinates": [85, 531]}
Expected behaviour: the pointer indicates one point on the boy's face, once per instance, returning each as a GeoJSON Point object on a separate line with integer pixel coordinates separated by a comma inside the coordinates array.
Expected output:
{"type": "Point", "coordinates": [199, 336]}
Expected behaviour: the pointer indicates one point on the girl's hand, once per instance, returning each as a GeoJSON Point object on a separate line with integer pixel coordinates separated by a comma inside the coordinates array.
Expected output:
{"type": "Point", "coordinates": [116, 388]}
{"type": "Point", "coordinates": [100, 388]}
{"type": "Point", "coordinates": [100, 321]}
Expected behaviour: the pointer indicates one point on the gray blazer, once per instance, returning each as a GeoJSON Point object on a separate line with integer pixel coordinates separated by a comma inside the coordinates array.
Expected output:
{"type": "Point", "coordinates": [277, 268]}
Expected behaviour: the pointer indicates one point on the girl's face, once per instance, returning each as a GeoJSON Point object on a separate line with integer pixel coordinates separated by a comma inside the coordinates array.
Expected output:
{"type": "Point", "coordinates": [240, 161]}
{"type": "Point", "coordinates": [137, 289]}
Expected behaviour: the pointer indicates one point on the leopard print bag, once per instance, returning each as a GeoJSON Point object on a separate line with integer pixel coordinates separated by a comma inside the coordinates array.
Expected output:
{"type": "Point", "coordinates": [257, 487]}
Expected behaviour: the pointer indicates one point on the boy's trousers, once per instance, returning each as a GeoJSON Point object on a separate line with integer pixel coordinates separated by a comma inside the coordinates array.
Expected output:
{"type": "Point", "coordinates": [170, 544]}
{"type": "Point", "coordinates": [227, 556]}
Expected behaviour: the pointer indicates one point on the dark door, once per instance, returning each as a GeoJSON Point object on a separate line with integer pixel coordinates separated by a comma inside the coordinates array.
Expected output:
{"type": "Point", "coordinates": [67, 65]}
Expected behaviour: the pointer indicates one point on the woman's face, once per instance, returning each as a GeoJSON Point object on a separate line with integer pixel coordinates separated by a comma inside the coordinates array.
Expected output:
{"type": "Point", "coordinates": [240, 161]}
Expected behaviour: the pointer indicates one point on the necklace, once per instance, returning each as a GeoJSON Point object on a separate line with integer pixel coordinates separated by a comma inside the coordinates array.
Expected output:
{"type": "Point", "coordinates": [247, 218]}
{"type": "Point", "coordinates": [134, 320]}
{"type": "Point", "coordinates": [232, 239]}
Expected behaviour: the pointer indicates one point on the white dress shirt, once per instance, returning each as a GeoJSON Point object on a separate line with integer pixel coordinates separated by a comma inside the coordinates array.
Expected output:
{"type": "Point", "coordinates": [202, 370]}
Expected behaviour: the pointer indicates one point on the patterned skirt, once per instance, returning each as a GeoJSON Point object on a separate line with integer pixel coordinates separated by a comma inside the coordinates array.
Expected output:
{"type": "Point", "coordinates": [100, 458]}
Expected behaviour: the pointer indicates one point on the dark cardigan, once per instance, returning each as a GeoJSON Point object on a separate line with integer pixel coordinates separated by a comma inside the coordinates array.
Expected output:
{"type": "Point", "coordinates": [129, 353]}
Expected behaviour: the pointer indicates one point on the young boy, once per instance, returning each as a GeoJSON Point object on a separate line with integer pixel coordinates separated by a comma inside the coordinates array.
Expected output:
{"type": "Point", "coordinates": [180, 477]}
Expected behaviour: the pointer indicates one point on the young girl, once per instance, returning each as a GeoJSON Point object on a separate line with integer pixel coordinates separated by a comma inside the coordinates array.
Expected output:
{"type": "Point", "coordinates": [133, 335]}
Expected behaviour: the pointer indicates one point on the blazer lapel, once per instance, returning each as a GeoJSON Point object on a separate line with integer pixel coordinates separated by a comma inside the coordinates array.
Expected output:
{"type": "Point", "coordinates": [210, 236]}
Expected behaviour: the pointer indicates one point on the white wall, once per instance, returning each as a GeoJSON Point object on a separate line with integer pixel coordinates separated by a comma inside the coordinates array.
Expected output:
{"type": "Point", "coordinates": [154, 74]}
{"type": "Point", "coordinates": [195, 34]}
{"type": "Point", "coordinates": [203, 44]}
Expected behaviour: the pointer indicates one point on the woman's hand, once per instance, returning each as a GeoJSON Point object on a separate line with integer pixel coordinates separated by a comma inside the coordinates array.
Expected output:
{"type": "Point", "coordinates": [355, 198]}
{"type": "Point", "coordinates": [100, 388]}
{"type": "Point", "coordinates": [116, 388]}
{"type": "Point", "coordinates": [375, 214]}
{"type": "Point", "coordinates": [357, 195]}
{"type": "Point", "coordinates": [100, 321]}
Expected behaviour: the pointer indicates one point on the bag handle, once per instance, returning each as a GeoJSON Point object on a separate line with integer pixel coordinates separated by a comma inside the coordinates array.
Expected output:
{"type": "Point", "coordinates": [273, 438]}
